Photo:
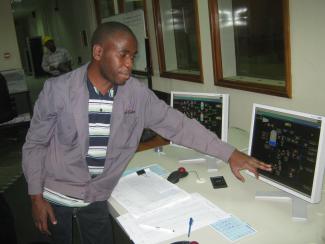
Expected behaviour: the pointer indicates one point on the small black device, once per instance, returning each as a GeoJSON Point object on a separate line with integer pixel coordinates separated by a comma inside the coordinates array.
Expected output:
{"type": "Point", "coordinates": [218, 182]}
{"type": "Point", "coordinates": [185, 242]}
{"type": "Point", "coordinates": [177, 174]}
{"type": "Point", "coordinates": [141, 172]}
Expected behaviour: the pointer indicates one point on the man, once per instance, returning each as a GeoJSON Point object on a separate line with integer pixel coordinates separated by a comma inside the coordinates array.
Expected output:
{"type": "Point", "coordinates": [86, 128]}
{"type": "Point", "coordinates": [56, 60]}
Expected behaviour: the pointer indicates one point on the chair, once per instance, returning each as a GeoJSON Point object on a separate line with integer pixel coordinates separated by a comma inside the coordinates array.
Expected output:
{"type": "Point", "coordinates": [7, 108]}
{"type": "Point", "coordinates": [11, 139]}
{"type": "Point", "coordinates": [12, 127]}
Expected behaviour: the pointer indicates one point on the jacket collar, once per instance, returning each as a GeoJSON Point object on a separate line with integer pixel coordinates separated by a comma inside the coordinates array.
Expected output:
{"type": "Point", "coordinates": [79, 103]}
{"type": "Point", "coordinates": [123, 104]}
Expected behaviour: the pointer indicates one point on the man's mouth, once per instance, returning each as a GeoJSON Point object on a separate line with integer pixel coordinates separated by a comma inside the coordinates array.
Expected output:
{"type": "Point", "coordinates": [125, 74]}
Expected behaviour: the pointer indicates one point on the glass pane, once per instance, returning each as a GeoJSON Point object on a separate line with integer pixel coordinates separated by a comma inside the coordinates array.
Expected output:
{"type": "Point", "coordinates": [106, 8]}
{"type": "Point", "coordinates": [252, 41]}
{"type": "Point", "coordinates": [180, 36]}
{"type": "Point", "coordinates": [130, 5]}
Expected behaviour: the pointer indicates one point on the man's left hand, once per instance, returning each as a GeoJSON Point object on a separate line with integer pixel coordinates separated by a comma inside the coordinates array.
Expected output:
{"type": "Point", "coordinates": [239, 161]}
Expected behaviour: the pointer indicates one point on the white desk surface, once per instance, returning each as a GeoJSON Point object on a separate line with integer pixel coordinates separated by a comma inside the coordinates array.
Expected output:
{"type": "Point", "coordinates": [271, 219]}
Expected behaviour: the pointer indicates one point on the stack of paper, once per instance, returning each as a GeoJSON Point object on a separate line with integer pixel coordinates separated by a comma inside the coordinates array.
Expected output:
{"type": "Point", "coordinates": [172, 221]}
{"type": "Point", "coordinates": [147, 193]}
{"type": "Point", "coordinates": [159, 210]}
{"type": "Point", "coordinates": [156, 168]}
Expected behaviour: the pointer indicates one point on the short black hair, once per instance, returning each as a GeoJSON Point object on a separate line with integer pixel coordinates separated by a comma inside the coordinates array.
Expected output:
{"type": "Point", "coordinates": [108, 29]}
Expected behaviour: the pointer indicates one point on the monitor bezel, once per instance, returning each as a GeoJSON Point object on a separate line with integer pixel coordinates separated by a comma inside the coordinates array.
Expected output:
{"type": "Point", "coordinates": [316, 192]}
{"type": "Point", "coordinates": [225, 107]}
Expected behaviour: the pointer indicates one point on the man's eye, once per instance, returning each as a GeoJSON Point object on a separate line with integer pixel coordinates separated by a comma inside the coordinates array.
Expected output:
{"type": "Point", "coordinates": [127, 55]}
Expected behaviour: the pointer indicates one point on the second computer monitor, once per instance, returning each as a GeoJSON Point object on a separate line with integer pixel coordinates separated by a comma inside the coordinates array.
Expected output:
{"type": "Point", "coordinates": [210, 109]}
{"type": "Point", "coordinates": [293, 143]}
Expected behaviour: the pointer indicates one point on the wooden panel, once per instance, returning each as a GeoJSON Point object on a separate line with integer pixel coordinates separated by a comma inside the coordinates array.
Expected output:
{"type": "Point", "coordinates": [155, 142]}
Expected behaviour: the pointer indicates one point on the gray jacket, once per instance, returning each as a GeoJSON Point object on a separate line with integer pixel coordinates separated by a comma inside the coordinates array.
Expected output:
{"type": "Point", "coordinates": [54, 154]}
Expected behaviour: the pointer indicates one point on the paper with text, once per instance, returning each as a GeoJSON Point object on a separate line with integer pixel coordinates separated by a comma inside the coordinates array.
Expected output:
{"type": "Point", "coordinates": [233, 228]}
{"type": "Point", "coordinates": [175, 218]}
{"type": "Point", "coordinates": [147, 193]}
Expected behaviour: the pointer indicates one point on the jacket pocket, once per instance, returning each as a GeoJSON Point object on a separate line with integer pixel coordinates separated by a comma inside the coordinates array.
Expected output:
{"type": "Point", "coordinates": [127, 135]}
{"type": "Point", "coordinates": [66, 129]}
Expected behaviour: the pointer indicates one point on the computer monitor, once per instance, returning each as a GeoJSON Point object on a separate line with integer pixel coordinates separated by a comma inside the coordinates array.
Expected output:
{"type": "Point", "coordinates": [211, 110]}
{"type": "Point", "coordinates": [293, 143]}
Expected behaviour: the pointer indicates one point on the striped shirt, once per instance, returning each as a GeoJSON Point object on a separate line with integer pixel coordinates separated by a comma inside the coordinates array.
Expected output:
{"type": "Point", "coordinates": [99, 112]}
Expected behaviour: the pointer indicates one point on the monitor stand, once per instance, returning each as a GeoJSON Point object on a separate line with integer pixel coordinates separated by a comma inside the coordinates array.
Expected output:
{"type": "Point", "coordinates": [212, 163]}
{"type": "Point", "coordinates": [186, 156]}
{"type": "Point", "coordinates": [299, 206]}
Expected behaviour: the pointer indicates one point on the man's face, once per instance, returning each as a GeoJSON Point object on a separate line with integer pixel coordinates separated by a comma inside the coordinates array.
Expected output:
{"type": "Point", "coordinates": [50, 46]}
{"type": "Point", "coordinates": [116, 60]}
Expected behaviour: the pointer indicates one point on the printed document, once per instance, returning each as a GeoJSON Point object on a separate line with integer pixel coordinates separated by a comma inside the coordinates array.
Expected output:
{"type": "Point", "coordinates": [146, 193]}
{"type": "Point", "coordinates": [171, 221]}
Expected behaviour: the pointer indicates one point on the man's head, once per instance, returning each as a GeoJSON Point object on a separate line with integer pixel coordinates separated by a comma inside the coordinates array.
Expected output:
{"type": "Point", "coordinates": [48, 42]}
{"type": "Point", "coordinates": [114, 47]}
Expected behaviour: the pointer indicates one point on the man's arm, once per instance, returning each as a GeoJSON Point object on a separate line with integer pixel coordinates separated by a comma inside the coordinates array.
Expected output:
{"type": "Point", "coordinates": [34, 154]}
{"type": "Point", "coordinates": [45, 64]}
{"type": "Point", "coordinates": [47, 67]}
{"type": "Point", "coordinates": [38, 138]}
{"type": "Point", "coordinates": [176, 127]}
{"type": "Point", "coordinates": [65, 61]}
{"type": "Point", "coordinates": [65, 67]}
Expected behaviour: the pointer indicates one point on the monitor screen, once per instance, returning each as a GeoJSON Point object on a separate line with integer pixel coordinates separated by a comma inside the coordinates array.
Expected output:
{"type": "Point", "coordinates": [210, 109]}
{"type": "Point", "coordinates": [293, 143]}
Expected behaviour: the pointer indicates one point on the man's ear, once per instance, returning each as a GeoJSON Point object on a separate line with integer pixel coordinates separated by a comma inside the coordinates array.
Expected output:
{"type": "Point", "coordinates": [97, 52]}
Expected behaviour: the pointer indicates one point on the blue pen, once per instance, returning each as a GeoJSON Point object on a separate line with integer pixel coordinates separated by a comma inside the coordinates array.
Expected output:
{"type": "Point", "coordinates": [190, 223]}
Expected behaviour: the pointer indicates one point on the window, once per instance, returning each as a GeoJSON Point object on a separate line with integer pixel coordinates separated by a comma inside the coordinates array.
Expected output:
{"type": "Point", "coordinates": [251, 45]}
{"type": "Point", "coordinates": [130, 5]}
{"type": "Point", "coordinates": [104, 9]}
{"type": "Point", "coordinates": [178, 39]}
{"type": "Point", "coordinates": [107, 8]}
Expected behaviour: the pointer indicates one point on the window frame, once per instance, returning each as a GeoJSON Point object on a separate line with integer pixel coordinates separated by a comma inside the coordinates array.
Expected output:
{"type": "Point", "coordinates": [160, 47]}
{"type": "Point", "coordinates": [121, 6]}
{"type": "Point", "coordinates": [97, 11]}
{"type": "Point", "coordinates": [219, 80]}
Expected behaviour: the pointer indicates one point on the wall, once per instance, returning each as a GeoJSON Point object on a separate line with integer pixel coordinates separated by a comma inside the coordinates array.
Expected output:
{"type": "Point", "coordinates": [307, 55]}
{"type": "Point", "coordinates": [307, 65]}
{"type": "Point", "coordinates": [8, 40]}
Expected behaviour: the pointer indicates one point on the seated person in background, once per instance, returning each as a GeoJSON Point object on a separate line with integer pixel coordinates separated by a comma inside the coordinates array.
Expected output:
{"type": "Point", "coordinates": [56, 60]}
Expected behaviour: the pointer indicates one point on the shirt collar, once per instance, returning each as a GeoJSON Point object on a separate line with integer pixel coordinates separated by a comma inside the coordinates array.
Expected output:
{"type": "Point", "coordinates": [94, 91]}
